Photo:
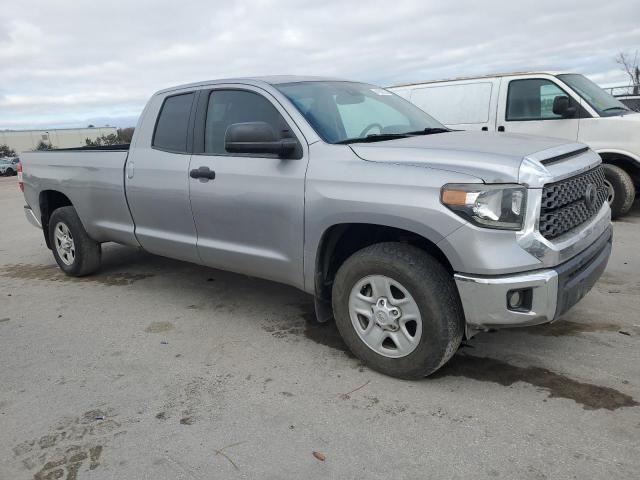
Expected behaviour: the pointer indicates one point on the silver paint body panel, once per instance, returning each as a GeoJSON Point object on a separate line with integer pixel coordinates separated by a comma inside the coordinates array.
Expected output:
{"type": "Point", "coordinates": [266, 217]}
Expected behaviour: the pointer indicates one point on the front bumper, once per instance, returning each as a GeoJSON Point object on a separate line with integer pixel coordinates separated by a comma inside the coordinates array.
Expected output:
{"type": "Point", "coordinates": [552, 291]}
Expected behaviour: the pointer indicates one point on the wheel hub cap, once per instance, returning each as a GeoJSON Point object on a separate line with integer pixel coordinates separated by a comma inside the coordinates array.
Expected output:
{"type": "Point", "coordinates": [65, 246]}
{"type": "Point", "coordinates": [385, 316]}
{"type": "Point", "coordinates": [611, 193]}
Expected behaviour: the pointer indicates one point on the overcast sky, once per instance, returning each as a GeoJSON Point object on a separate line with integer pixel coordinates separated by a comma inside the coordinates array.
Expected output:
{"type": "Point", "coordinates": [73, 62]}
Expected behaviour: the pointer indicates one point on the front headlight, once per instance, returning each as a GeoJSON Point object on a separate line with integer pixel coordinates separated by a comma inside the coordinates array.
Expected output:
{"type": "Point", "coordinates": [489, 206]}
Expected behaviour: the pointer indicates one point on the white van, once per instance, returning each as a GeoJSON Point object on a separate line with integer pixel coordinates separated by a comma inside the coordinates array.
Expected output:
{"type": "Point", "coordinates": [566, 105]}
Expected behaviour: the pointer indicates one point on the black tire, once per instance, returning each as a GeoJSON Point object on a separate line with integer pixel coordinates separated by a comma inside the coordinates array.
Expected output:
{"type": "Point", "coordinates": [10, 172]}
{"type": "Point", "coordinates": [87, 252]}
{"type": "Point", "coordinates": [623, 188]}
{"type": "Point", "coordinates": [433, 290]}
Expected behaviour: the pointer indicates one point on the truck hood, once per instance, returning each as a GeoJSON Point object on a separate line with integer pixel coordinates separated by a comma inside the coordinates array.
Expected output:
{"type": "Point", "coordinates": [491, 157]}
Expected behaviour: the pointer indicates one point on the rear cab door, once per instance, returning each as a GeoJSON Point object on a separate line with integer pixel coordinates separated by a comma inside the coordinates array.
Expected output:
{"type": "Point", "coordinates": [157, 177]}
{"type": "Point", "coordinates": [525, 105]}
{"type": "Point", "coordinates": [249, 214]}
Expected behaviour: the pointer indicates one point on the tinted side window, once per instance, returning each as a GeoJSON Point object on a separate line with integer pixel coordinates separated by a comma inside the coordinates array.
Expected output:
{"type": "Point", "coordinates": [227, 107]}
{"type": "Point", "coordinates": [173, 123]}
{"type": "Point", "coordinates": [532, 99]}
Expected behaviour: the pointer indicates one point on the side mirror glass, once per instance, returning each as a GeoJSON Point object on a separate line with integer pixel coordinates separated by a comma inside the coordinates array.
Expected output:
{"type": "Point", "coordinates": [258, 138]}
{"type": "Point", "coordinates": [562, 106]}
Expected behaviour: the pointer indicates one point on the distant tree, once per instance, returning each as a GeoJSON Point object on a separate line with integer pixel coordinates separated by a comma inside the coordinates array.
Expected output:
{"type": "Point", "coordinates": [6, 151]}
{"type": "Point", "coordinates": [42, 145]}
{"type": "Point", "coordinates": [90, 126]}
{"type": "Point", "coordinates": [111, 139]}
{"type": "Point", "coordinates": [631, 66]}
{"type": "Point", "coordinates": [125, 134]}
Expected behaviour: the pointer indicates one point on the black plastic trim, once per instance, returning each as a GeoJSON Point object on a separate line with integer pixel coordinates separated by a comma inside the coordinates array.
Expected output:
{"type": "Point", "coordinates": [564, 156]}
{"type": "Point", "coordinates": [121, 147]}
{"type": "Point", "coordinates": [577, 276]}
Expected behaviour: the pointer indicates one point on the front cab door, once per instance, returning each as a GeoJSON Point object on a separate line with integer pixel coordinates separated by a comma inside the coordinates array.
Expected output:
{"type": "Point", "coordinates": [249, 208]}
{"type": "Point", "coordinates": [526, 105]}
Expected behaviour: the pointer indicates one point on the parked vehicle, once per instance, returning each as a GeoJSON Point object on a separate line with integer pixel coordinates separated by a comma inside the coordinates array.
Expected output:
{"type": "Point", "coordinates": [629, 95]}
{"type": "Point", "coordinates": [409, 234]}
{"type": "Point", "coordinates": [8, 167]}
{"type": "Point", "coordinates": [631, 101]}
{"type": "Point", "coordinates": [567, 105]}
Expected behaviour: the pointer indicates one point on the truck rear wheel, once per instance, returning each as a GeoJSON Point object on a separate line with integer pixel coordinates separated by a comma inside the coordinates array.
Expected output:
{"type": "Point", "coordinates": [622, 191]}
{"type": "Point", "coordinates": [75, 252]}
{"type": "Point", "coordinates": [397, 309]}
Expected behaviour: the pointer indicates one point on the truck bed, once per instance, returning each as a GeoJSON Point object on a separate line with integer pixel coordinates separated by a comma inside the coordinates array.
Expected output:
{"type": "Point", "coordinates": [92, 179]}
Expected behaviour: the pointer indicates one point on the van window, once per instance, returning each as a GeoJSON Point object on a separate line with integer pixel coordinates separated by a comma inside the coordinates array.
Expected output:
{"type": "Point", "coordinates": [532, 99]}
{"type": "Point", "coordinates": [227, 107]}
{"type": "Point", "coordinates": [601, 101]}
{"type": "Point", "coordinates": [455, 104]}
{"type": "Point", "coordinates": [173, 123]}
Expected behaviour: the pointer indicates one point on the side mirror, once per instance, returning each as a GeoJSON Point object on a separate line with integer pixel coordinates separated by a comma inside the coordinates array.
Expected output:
{"type": "Point", "coordinates": [562, 106]}
{"type": "Point", "coordinates": [257, 137]}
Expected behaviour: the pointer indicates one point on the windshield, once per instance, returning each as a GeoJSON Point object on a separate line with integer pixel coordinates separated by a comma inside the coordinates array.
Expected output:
{"type": "Point", "coordinates": [595, 96]}
{"type": "Point", "coordinates": [344, 112]}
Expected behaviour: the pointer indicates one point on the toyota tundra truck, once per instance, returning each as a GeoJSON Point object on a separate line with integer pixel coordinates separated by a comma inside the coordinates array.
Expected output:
{"type": "Point", "coordinates": [410, 235]}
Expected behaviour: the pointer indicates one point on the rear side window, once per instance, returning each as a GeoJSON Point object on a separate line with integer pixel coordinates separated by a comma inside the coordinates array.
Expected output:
{"type": "Point", "coordinates": [532, 99]}
{"type": "Point", "coordinates": [173, 123]}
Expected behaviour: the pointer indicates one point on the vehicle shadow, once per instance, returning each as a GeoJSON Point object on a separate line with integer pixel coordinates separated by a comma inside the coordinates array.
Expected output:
{"type": "Point", "coordinates": [287, 313]}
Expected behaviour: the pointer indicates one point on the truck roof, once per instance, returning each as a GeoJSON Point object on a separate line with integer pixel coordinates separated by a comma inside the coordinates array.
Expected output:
{"type": "Point", "coordinates": [478, 77]}
{"type": "Point", "coordinates": [269, 80]}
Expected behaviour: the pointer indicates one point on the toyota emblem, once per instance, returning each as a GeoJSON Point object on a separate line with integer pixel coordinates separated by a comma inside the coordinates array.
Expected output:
{"type": "Point", "coordinates": [590, 196]}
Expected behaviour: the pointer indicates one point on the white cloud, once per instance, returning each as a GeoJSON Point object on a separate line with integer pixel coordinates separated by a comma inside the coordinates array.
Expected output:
{"type": "Point", "coordinates": [68, 61]}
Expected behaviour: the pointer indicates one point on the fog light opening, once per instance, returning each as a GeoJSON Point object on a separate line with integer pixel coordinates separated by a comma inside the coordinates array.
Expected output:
{"type": "Point", "coordinates": [515, 299]}
{"type": "Point", "coordinates": [520, 300]}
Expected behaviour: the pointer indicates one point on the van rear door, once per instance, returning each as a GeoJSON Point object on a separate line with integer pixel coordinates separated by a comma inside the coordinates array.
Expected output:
{"type": "Point", "coordinates": [526, 106]}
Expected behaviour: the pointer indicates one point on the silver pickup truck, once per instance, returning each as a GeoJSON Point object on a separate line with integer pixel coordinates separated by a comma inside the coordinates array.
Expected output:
{"type": "Point", "coordinates": [409, 234]}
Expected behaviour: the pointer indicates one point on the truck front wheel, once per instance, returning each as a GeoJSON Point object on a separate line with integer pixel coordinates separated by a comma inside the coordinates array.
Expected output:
{"type": "Point", "coordinates": [75, 252]}
{"type": "Point", "coordinates": [398, 310]}
{"type": "Point", "coordinates": [622, 192]}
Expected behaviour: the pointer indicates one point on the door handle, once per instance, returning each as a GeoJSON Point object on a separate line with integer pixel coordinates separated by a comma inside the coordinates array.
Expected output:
{"type": "Point", "coordinates": [501, 128]}
{"type": "Point", "coordinates": [203, 172]}
{"type": "Point", "coordinates": [485, 129]}
{"type": "Point", "coordinates": [130, 169]}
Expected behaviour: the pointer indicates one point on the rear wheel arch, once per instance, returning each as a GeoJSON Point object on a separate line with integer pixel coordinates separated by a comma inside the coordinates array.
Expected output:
{"type": "Point", "coordinates": [49, 201]}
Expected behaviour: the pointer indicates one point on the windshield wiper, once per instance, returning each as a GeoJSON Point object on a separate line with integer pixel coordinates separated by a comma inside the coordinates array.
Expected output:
{"type": "Point", "coordinates": [374, 137]}
{"type": "Point", "coordinates": [429, 131]}
{"type": "Point", "coordinates": [615, 108]}
{"type": "Point", "coordinates": [380, 137]}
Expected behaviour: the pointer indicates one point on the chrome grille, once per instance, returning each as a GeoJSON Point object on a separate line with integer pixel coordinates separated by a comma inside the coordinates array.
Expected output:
{"type": "Point", "coordinates": [565, 204]}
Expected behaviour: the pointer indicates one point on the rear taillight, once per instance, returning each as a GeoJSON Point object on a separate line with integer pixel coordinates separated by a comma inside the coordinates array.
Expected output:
{"type": "Point", "coordinates": [20, 182]}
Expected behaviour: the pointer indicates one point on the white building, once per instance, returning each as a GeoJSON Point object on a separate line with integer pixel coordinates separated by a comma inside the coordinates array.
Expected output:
{"type": "Point", "coordinates": [26, 140]}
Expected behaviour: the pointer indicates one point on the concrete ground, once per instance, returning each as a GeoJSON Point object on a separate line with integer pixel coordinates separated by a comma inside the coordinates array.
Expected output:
{"type": "Point", "coordinates": [159, 369]}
